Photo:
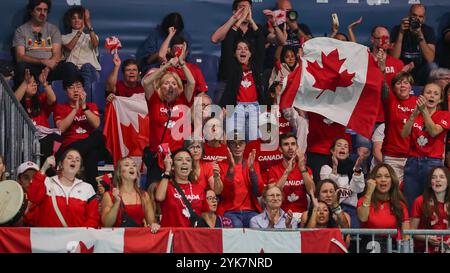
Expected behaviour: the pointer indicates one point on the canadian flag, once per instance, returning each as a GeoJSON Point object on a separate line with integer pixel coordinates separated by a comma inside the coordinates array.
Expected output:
{"type": "Point", "coordinates": [339, 80]}
{"type": "Point", "coordinates": [176, 240]}
{"type": "Point", "coordinates": [83, 240]}
{"type": "Point", "coordinates": [257, 241]}
{"type": "Point", "coordinates": [127, 127]}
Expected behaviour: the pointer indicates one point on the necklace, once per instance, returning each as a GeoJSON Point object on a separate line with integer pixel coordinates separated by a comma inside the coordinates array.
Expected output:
{"type": "Point", "coordinates": [185, 210]}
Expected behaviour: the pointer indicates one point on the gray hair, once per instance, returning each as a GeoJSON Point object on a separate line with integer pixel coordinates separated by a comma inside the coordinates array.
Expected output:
{"type": "Point", "coordinates": [437, 73]}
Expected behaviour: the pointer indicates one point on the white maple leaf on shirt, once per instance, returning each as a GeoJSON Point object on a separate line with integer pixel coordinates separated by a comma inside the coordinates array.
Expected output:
{"type": "Point", "coordinates": [422, 141]}
{"type": "Point", "coordinates": [80, 130]}
{"type": "Point", "coordinates": [246, 83]}
{"type": "Point", "coordinates": [292, 197]}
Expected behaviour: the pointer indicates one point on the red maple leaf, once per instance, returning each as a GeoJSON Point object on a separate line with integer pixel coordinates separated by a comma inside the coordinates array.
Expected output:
{"type": "Point", "coordinates": [84, 249]}
{"type": "Point", "coordinates": [328, 77]}
{"type": "Point", "coordinates": [136, 141]}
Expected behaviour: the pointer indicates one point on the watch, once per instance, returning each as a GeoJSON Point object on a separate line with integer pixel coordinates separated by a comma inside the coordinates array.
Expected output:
{"type": "Point", "coordinates": [90, 29]}
{"type": "Point", "coordinates": [165, 175]}
{"type": "Point", "coordinates": [85, 108]}
{"type": "Point", "coordinates": [358, 170]}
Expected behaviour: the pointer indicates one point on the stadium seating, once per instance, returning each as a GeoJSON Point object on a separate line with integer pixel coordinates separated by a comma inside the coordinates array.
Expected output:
{"type": "Point", "coordinates": [106, 62]}
{"type": "Point", "coordinates": [61, 96]}
{"type": "Point", "coordinates": [98, 96]}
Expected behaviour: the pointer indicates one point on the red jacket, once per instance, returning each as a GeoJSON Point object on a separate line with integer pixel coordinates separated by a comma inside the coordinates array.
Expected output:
{"type": "Point", "coordinates": [235, 191]}
{"type": "Point", "coordinates": [79, 208]}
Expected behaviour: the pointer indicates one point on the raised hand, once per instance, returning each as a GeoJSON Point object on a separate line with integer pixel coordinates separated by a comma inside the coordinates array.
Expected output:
{"type": "Point", "coordinates": [420, 103]}
{"type": "Point", "coordinates": [110, 97]}
{"type": "Point", "coordinates": [173, 62]}
{"type": "Point", "coordinates": [168, 163]}
{"type": "Point", "coordinates": [289, 216]}
{"type": "Point", "coordinates": [357, 22]}
{"type": "Point", "coordinates": [87, 18]}
{"type": "Point", "coordinates": [116, 194]}
{"type": "Point", "coordinates": [216, 169]}
{"type": "Point", "coordinates": [43, 76]}
{"type": "Point", "coordinates": [251, 160]}
{"type": "Point", "coordinates": [27, 77]}
{"type": "Point", "coordinates": [116, 60]}
{"type": "Point", "coordinates": [371, 185]}
{"type": "Point", "coordinates": [404, 25]}
{"type": "Point", "coordinates": [82, 99]}
{"type": "Point", "coordinates": [301, 159]}
{"type": "Point", "coordinates": [334, 160]}
{"type": "Point", "coordinates": [231, 161]}
{"type": "Point", "coordinates": [363, 153]}
{"type": "Point", "coordinates": [408, 67]}
{"type": "Point", "coordinates": [171, 31]}
{"type": "Point", "coordinates": [290, 166]}
{"type": "Point", "coordinates": [381, 59]}
{"type": "Point", "coordinates": [50, 162]}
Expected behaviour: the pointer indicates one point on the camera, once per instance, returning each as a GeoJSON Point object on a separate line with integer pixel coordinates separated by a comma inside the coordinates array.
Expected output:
{"type": "Point", "coordinates": [414, 23]}
{"type": "Point", "coordinates": [292, 15]}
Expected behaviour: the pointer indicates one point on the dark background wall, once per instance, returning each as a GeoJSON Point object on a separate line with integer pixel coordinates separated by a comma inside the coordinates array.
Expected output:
{"type": "Point", "coordinates": [131, 20]}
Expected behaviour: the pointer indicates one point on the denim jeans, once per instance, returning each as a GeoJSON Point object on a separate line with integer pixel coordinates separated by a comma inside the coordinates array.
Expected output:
{"type": "Point", "coordinates": [417, 170]}
{"type": "Point", "coordinates": [90, 75]}
{"type": "Point", "coordinates": [245, 119]}
{"type": "Point", "coordinates": [241, 218]}
{"type": "Point", "coordinates": [351, 210]}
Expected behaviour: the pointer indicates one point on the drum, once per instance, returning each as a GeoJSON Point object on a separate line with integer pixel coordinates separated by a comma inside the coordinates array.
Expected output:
{"type": "Point", "coordinates": [13, 202]}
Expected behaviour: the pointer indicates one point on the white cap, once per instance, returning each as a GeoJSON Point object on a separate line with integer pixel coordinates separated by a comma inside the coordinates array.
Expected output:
{"type": "Point", "coordinates": [26, 166]}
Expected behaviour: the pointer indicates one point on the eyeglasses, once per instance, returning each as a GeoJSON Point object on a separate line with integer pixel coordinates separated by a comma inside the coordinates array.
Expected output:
{"type": "Point", "coordinates": [212, 198]}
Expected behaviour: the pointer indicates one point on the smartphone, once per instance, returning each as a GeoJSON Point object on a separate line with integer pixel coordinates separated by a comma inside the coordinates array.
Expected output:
{"type": "Point", "coordinates": [335, 19]}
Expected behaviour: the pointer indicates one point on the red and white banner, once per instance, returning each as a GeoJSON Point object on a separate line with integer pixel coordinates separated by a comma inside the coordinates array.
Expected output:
{"type": "Point", "coordinates": [127, 127]}
{"type": "Point", "coordinates": [339, 80]}
{"type": "Point", "coordinates": [176, 240]}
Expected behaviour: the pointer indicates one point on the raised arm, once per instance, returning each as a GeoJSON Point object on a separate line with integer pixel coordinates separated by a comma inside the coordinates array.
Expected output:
{"type": "Point", "coordinates": [161, 190]}
{"type": "Point", "coordinates": [51, 97]}
{"type": "Point", "coordinates": [190, 86]}
{"type": "Point", "coordinates": [88, 24]}
{"type": "Point", "coordinates": [220, 34]}
{"type": "Point", "coordinates": [351, 34]}
{"type": "Point", "coordinates": [406, 131]}
{"type": "Point", "coordinates": [364, 210]}
{"type": "Point", "coordinates": [148, 82]}
{"type": "Point", "coordinates": [112, 78]}
{"type": "Point", "coordinates": [165, 45]}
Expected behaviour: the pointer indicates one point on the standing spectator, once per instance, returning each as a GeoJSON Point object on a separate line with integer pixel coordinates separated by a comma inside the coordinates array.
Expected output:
{"type": "Point", "coordinates": [427, 126]}
{"type": "Point", "coordinates": [445, 59]}
{"type": "Point", "coordinates": [242, 184]}
{"type": "Point", "coordinates": [209, 217]}
{"type": "Point", "coordinates": [147, 54]}
{"type": "Point", "coordinates": [273, 216]}
{"type": "Point", "coordinates": [179, 170]}
{"type": "Point", "coordinates": [243, 64]}
{"type": "Point", "coordinates": [130, 84]}
{"type": "Point", "coordinates": [78, 121]}
{"type": "Point", "coordinates": [206, 174]}
{"type": "Point", "coordinates": [72, 197]}
{"type": "Point", "coordinates": [327, 191]}
{"type": "Point", "coordinates": [414, 41]}
{"type": "Point", "coordinates": [440, 76]}
{"type": "Point", "coordinates": [25, 172]}
{"type": "Point", "coordinates": [431, 210]}
{"type": "Point", "coordinates": [127, 198]}
{"type": "Point", "coordinates": [214, 148]}
{"type": "Point", "coordinates": [398, 106]}
{"type": "Point", "coordinates": [176, 44]}
{"type": "Point", "coordinates": [167, 102]}
{"type": "Point", "coordinates": [37, 45]}
{"type": "Point", "coordinates": [383, 205]}
{"type": "Point", "coordinates": [292, 176]}
{"type": "Point", "coordinates": [2, 168]}
{"type": "Point", "coordinates": [348, 176]}
{"type": "Point", "coordinates": [39, 107]}
{"type": "Point", "coordinates": [81, 48]}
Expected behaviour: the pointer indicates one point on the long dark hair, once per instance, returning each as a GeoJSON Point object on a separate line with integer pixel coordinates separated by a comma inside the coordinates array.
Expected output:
{"type": "Point", "coordinates": [395, 195]}
{"type": "Point", "coordinates": [173, 19]}
{"type": "Point", "coordinates": [430, 202]}
{"type": "Point", "coordinates": [284, 51]}
{"type": "Point", "coordinates": [331, 223]}
{"type": "Point", "coordinates": [35, 108]}
{"type": "Point", "coordinates": [345, 167]}
{"type": "Point", "coordinates": [80, 173]}
{"type": "Point", "coordinates": [191, 176]}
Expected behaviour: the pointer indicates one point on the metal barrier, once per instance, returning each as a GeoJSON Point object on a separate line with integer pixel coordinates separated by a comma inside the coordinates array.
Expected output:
{"type": "Point", "coordinates": [444, 245]}
{"type": "Point", "coordinates": [18, 141]}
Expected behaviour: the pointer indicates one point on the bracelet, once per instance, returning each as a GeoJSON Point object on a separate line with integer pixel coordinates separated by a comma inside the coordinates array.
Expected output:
{"type": "Point", "coordinates": [337, 210]}
{"type": "Point", "coordinates": [165, 175]}
{"type": "Point", "coordinates": [91, 29]}
{"type": "Point", "coordinates": [304, 171]}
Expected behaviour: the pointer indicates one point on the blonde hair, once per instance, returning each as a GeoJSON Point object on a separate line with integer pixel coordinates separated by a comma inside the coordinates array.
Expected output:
{"type": "Point", "coordinates": [117, 179]}
{"type": "Point", "coordinates": [167, 75]}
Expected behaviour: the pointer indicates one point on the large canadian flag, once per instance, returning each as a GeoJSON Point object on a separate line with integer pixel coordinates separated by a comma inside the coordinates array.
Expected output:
{"type": "Point", "coordinates": [339, 80]}
{"type": "Point", "coordinates": [176, 240]}
{"type": "Point", "coordinates": [127, 127]}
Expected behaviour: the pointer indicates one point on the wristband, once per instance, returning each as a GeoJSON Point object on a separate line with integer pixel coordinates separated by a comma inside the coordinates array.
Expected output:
{"type": "Point", "coordinates": [91, 29]}
{"type": "Point", "coordinates": [359, 170]}
{"type": "Point", "coordinates": [337, 210]}
{"type": "Point", "coordinates": [165, 175]}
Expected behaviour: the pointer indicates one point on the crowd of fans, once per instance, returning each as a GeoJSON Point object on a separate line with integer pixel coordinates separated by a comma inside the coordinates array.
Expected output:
{"type": "Point", "coordinates": [228, 178]}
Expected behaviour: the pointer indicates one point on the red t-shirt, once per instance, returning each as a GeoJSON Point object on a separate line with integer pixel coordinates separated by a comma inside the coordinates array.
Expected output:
{"type": "Point", "coordinates": [125, 91]}
{"type": "Point", "coordinates": [200, 83]}
{"type": "Point", "coordinates": [383, 217]}
{"type": "Point", "coordinates": [247, 90]}
{"type": "Point", "coordinates": [322, 133]}
{"type": "Point", "coordinates": [46, 110]}
{"type": "Point", "coordinates": [422, 144]}
{"type": "Point", "coordinates": [396, 113]}
{"type": "Point", "coordinates": [206, 171]}
{"type": "Point", "coordinates": [266, 159]}
{"type": "Point", "coordinates": [135, 211]}
{"type": "Point", "coordinates": [158, 117]}
{"type": "Point", "coordinates": [215, 154]}
{"type": "Point", "coordinates": [294, 189]}
{"type": "Point", "coordinates": [438, 222]}
{"type": "Point", "coordinates": [173, 206]}
{"type": "Point", "coordinates": [80, 127]}
{"type": "Point", "coordinates": [393, 66]}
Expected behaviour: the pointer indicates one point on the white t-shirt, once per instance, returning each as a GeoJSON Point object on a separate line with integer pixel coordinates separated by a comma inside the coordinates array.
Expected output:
{"type": "Point", "coordinates": [83, 52]}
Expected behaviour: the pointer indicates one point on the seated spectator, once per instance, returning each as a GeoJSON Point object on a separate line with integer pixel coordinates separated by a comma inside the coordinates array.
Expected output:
{"type": "Point", "coordinates": [176, 44]}
{"type": "Point", "coordinates": [209, 217]}
{"type": "Point", "coordinates": [206, 174]}
{"type": "Point", "coordinates": [273, 216]}
{"type": "Point", "coordinates": [2, 168]}
{"type": "Point", "coordinates": [25, 172]}
{"type": "Point", "coordinates": [179, 173]}
{"type": "Point", "coordinates": [81, 48]}
{"type": "Point", "coordinates": [39, 107]}
{"type": "Point", "coordinates": [126, 205]}
{"type": "Point", "coordinates": [130, 84]}
{"type": "Point", "coordinates": [168, 101]}
{"type": "Point", "coordinates": [147, 54]}
{"type": "Point", "coordinates": [78, 121]}
{"type": "Point", "coordinates": [292, 176]}
{"type": "Point", "coordinates": [63, 200]}
{"type": "Point", "coordinates": [322, 216]}
{"type": "Point", "coordinates": [214, 148]}
{"type": "Point", "coordinates": [383, 205]}
{"type": "Point", "coordinates": [243, 64]}
{"type": "Point", "coordinates": [347, 175]}
{"type": "Point", "coordinates": [430, 211]}
{"type": "Point", "coordinates": [440, 76]}
{"type": "Point", "coordinates": [327, 191]}
{"type": "Point", "coordinates": [427, 126]}
{"type": "Point", "coordinates": [398, 105]}
{"type": "Point", "coordinates": [242, 184]}
{"type": "Point", "coordinates": [414, 41]}
{"type": "Point", "coordinates": [37, 45]}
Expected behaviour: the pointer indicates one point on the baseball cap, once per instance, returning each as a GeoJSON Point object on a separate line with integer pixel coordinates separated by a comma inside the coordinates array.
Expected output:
{"type": "Point", "coordinates": [26, 166]}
